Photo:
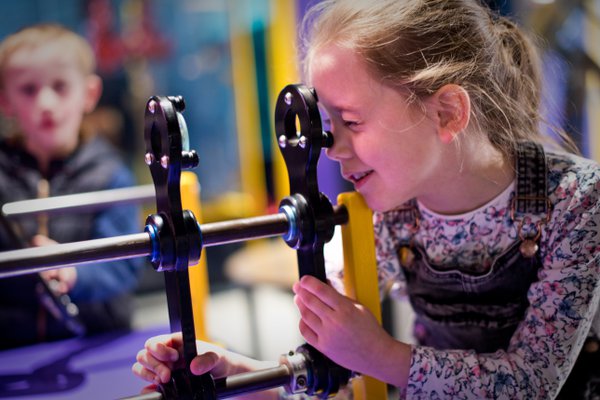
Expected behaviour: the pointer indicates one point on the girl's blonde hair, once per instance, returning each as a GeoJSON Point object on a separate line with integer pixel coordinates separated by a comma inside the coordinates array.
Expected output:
{"type": "Point", "coordinates": [422, 45]}
{"type": "Point", "coordinates": [41, 35]}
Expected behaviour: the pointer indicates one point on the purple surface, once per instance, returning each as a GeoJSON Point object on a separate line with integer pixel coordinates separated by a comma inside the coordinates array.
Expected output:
{"type": "Point", "coordinates": [92, 368]}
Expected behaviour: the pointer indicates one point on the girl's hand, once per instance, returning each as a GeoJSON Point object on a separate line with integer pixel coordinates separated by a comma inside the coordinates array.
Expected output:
{"type": "Point", "coordinates": [161, 354]}
{"type": "Point", "coordinates": [342, 329]}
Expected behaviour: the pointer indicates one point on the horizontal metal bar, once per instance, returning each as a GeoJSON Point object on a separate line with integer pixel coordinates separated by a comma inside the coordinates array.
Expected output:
{"type": "Point", "coordinates": [145, 396]}
{"type": "Point", "coordinates": [253, 381]}
{"type": "Point", "coordinates": [37, 259]}
{"type": "Point", "coordinates": [239, 230]}
{"type": "Point", "coordinates": [80, 202]}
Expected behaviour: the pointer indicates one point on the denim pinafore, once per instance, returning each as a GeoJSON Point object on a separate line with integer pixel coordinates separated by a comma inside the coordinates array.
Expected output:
{"type": "Point", "coordinates": [458, 308]}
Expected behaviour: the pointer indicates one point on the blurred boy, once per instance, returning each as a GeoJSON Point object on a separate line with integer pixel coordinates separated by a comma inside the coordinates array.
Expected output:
{"type": "Point", "coordinates": [47, 85]}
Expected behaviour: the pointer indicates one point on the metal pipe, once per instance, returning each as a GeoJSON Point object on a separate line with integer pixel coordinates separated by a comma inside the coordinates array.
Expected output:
{"type": "Point", "coordinates": [145, 396]}
{"type": "Point", "coordinates": [80, 202]}
{"type": "Point", "coordinates": [234, 385]}
{"type": "Point", "coordinates": [239, 230]}
{"type": "Point", "coordinates": [37, 259]}
{"type": "Point", "coordinates": [252, 381]}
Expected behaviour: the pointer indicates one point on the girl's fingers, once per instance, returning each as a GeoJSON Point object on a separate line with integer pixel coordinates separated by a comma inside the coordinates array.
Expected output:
{"type": "Point", "coordinates": [325, 293]}
{"type": "Point", "coordinates": [204, 363]}
{"type": "Point", "coordinates": [308, 316]}
{"type": "Point", "coordinates": [161, 348]}
{"type": "Point", "coordinates": [308, 334]}
{"type": "Point", "coordinates": [313, 303]}
{"type": "Point", "coordinates": [160, 370]}
{"type": "Point", "coordinates": [144, 373]}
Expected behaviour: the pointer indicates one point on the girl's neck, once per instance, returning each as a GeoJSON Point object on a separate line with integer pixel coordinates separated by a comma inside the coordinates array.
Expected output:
{"type": "Point", "coordinates": [473, 174]}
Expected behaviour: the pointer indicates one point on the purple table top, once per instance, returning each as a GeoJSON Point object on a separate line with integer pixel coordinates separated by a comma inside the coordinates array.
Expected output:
{"type": "Point", "coordinates": [90, 368]}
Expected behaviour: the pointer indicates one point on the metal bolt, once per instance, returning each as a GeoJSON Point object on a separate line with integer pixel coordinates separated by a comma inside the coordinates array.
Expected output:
{"type": "Point", "coordinates": [282, 141]}
{"type": "Point", "coordinates": [152, 106]}
{"type": "Point", "coordinates": [164, 161]}
{"type": "Point", "coordinates": [302, 141]}
{"type": "Point", "coordinates": [149, 158]}
{"type": "Point", "coordinates": [288, 98]}
{"type": "Point", "coordinates": [301, 381]}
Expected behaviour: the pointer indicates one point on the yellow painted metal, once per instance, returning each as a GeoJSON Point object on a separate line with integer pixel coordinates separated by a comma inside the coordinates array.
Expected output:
{"type": "Point", "coordinates": [282, 70]}
{"type": "Point", "coordinates": [360, 276]}
{"type": "Point", "coordinates": [243, 68]}
{"type": "Point", "coordinates": [190, 200]}
{"type": "Point", "coordinates": [592, 104]}
{"type": "Point", "coordinates": [591, 46]}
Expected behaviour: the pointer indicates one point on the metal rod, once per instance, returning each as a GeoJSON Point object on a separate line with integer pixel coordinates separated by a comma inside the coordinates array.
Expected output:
{"type": "Point", "coordinates": [145, 396]}
{"type": "Point", "coordinates": [239, 230]}
{"type": "Point", "coordinates": [252, 381]}
{"type": "Point", "coordinates": [234, 385]}
{"type": "Point", "coordinates": [37, 259]}
{"type": "Point", "coordinates": [81, 202]}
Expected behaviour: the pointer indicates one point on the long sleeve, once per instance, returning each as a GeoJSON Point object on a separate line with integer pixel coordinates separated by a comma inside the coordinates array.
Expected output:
{"type": "Point", "coordinates": [101, 281]}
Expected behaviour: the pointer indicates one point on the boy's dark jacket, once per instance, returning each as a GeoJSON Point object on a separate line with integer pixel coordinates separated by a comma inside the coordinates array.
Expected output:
{"type": "Point", "coordinates": [102, 292]}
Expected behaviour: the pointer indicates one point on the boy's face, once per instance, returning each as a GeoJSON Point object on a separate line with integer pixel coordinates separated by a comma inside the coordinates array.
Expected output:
{"type": "Point", "coordinates": [47, 93]}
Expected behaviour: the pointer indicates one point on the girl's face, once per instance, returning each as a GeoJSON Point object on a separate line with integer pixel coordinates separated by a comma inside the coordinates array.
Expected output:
{"type": "Point", "coordinates": [47, 94]}
{"type": "Point", "coordinates": [387, 148]}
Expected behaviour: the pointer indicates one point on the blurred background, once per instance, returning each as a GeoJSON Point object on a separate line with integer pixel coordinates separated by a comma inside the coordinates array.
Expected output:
{"type": "Point", "coordinates": [229, 60]}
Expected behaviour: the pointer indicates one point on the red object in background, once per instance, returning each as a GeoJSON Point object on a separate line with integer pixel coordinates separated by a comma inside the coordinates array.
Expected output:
{"type": "Point", "coordinates": [141, 39]}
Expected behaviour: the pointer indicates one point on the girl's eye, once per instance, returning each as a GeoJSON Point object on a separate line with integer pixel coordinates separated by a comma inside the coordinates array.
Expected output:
{"type": "Point", "coordinates": [350, 124]}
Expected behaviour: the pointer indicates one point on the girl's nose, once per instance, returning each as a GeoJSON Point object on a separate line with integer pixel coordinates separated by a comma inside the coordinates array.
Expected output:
{"type": "Point", "coordinates": [341, 149]}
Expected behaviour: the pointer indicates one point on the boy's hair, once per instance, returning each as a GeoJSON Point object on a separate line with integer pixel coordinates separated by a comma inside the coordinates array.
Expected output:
{"type": "Point", "coordinates": [421, 45]}
{"type": "Point", "coordinates": [42, 34]}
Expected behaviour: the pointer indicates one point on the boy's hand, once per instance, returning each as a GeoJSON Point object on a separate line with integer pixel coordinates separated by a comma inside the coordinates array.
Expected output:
{"type": "Point", "coordinates": [61, 280]}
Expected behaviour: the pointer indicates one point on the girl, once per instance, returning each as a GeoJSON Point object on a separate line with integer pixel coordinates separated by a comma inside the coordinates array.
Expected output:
{"type": "Point", "coordinates": [434, 108]}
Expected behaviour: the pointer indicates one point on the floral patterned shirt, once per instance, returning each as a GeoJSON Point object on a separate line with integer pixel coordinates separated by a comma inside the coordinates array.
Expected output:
{"type": "Point", "coordinates": [563, 302]}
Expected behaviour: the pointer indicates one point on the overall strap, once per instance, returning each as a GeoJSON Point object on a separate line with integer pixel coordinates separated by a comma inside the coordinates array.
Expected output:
{"type": "Point", "coordinates": [532, 185]}
{"type": "Point", "coordinates": [408, 212]}
{"type": "Point", "coordinates": [530, 207]}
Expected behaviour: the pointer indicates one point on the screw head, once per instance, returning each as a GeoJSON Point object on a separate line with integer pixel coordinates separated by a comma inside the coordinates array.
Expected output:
{"type": "Point", "coordinates": [282, 141]}
{"type": "Point", "coordinates": [302, 141]}
{"type": "Point", "coordinates": [152, 106]}
{"type": "Point", "coordinates": [288, 98]}
{"type": "Point", "coordinates": [164, 161]}
{"type": "Point", "coordinates": [149, 158]}
{"type": "Point", "coordinates": [301, 381]}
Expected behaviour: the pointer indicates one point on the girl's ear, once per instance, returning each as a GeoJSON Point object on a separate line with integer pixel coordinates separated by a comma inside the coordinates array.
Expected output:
{"type": "Point", "coordinates": [93, 92]}
{"type": "Point", "coordinates": [453, 111]}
